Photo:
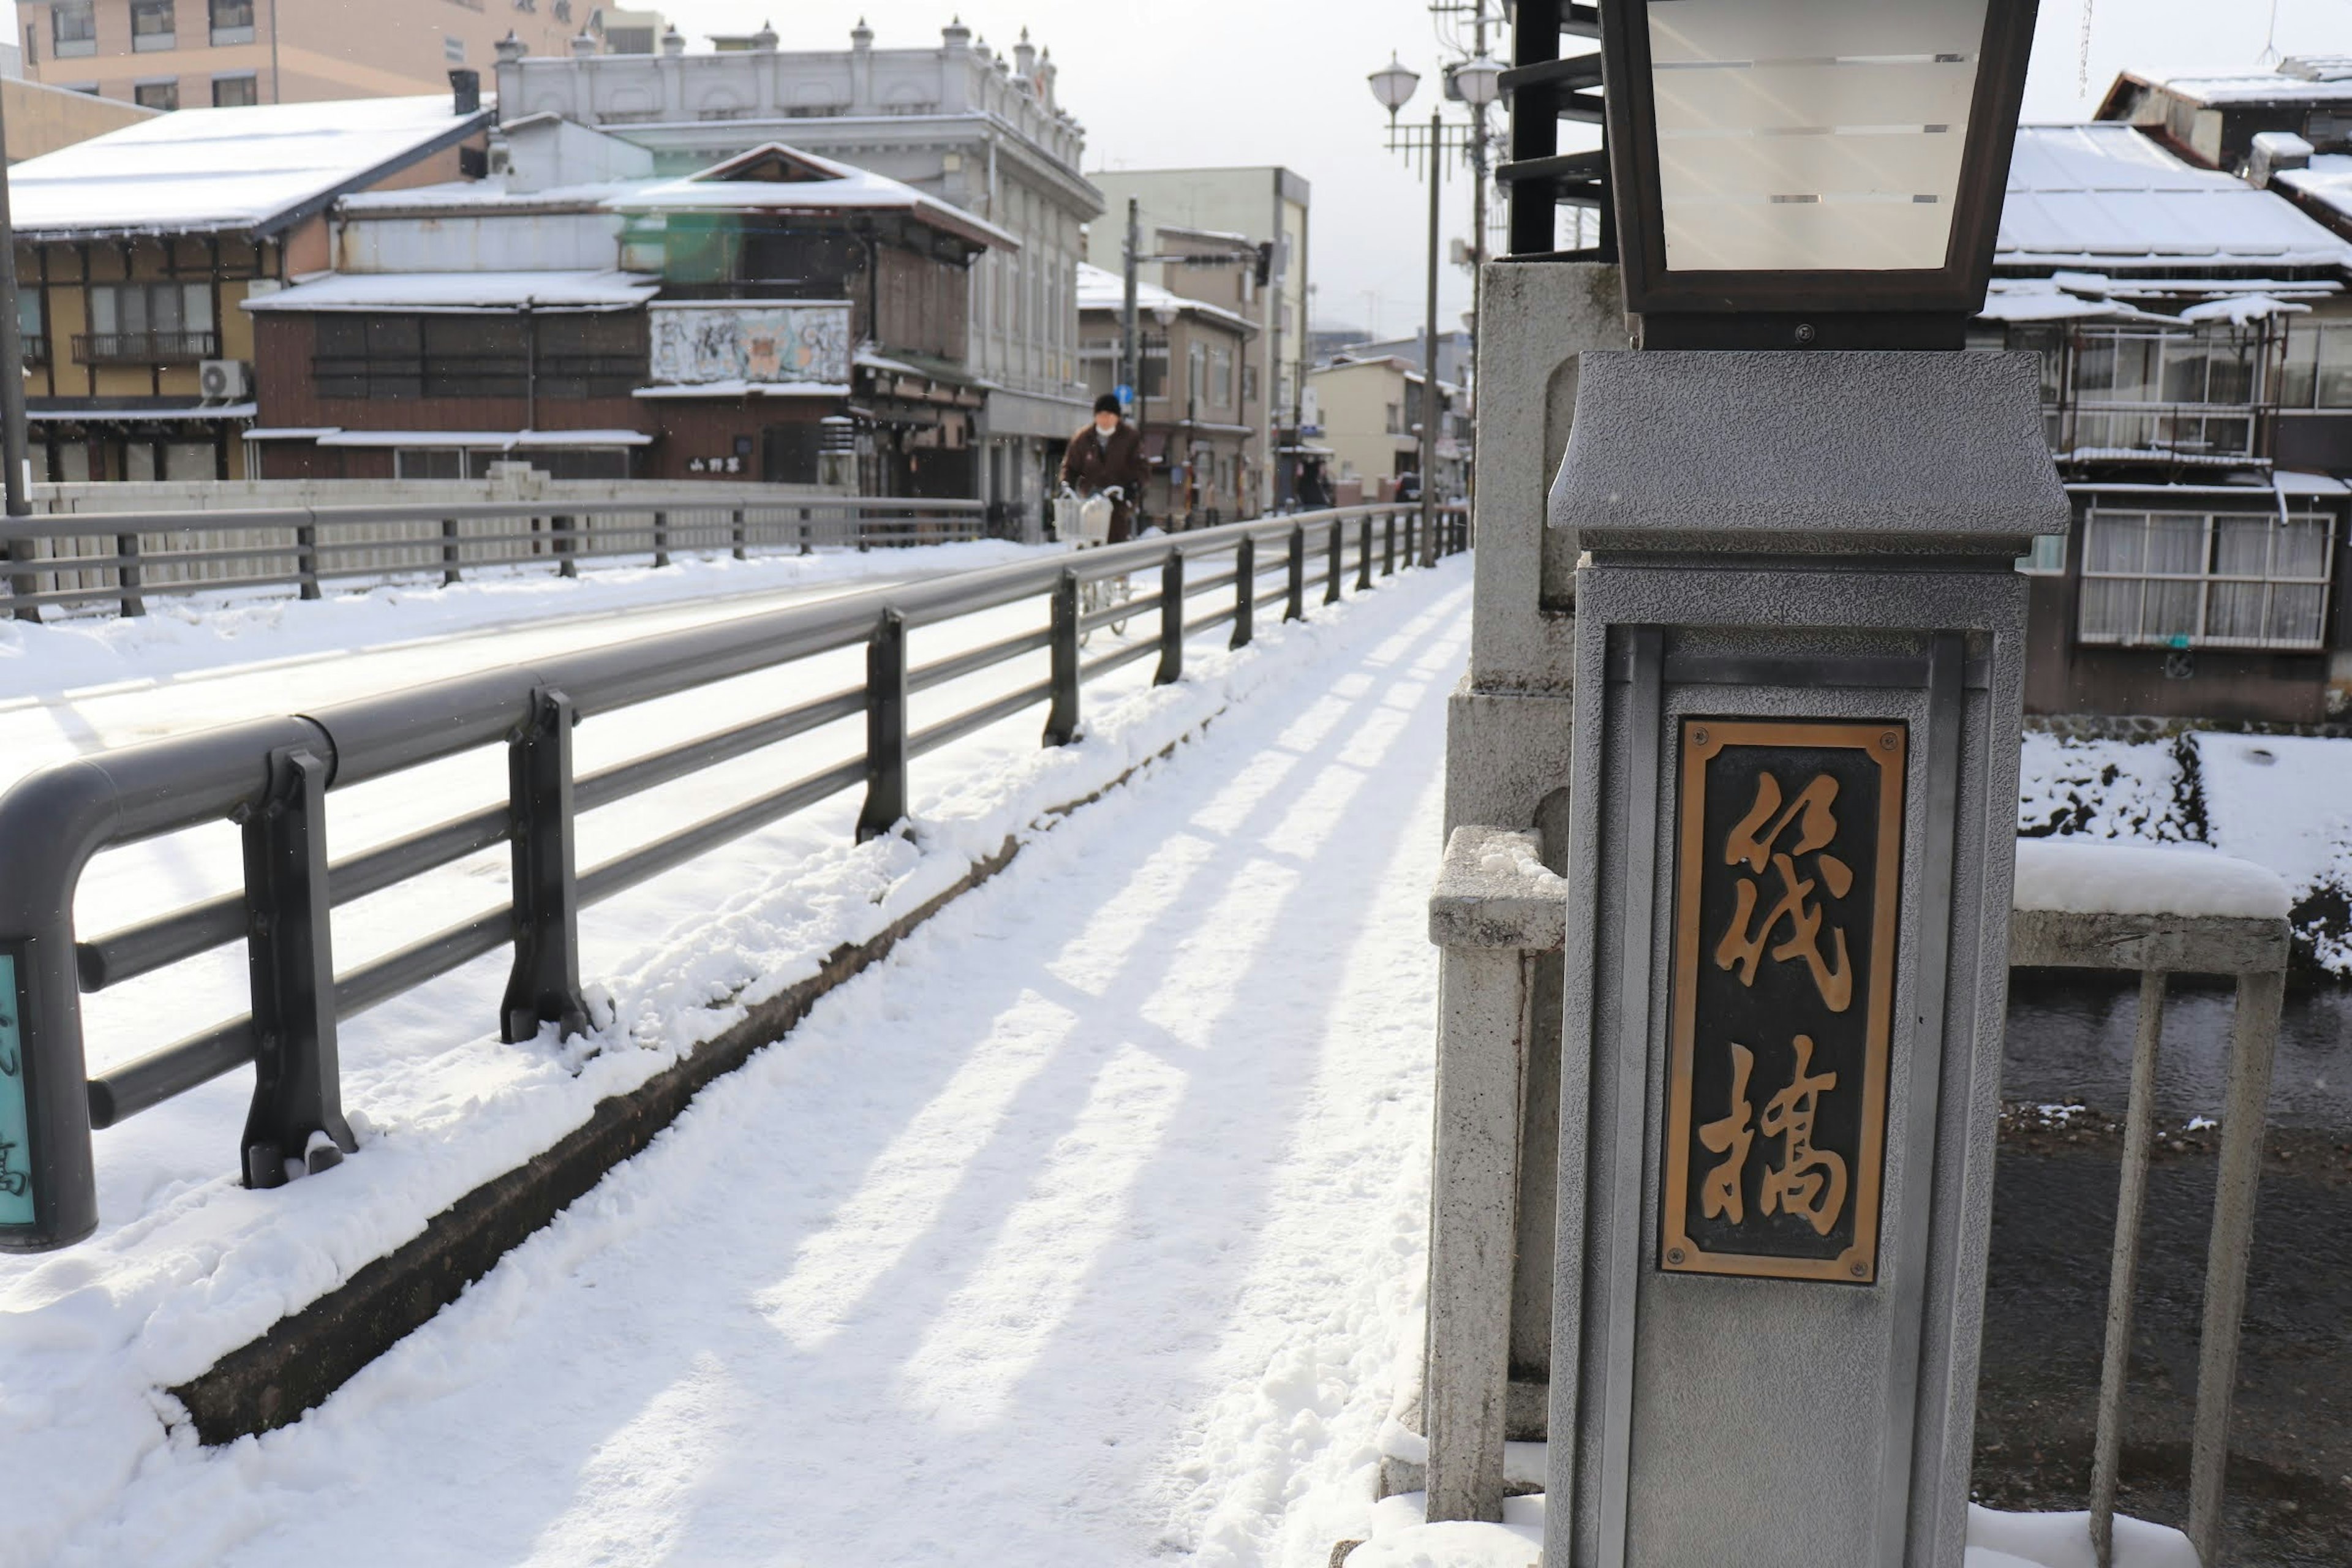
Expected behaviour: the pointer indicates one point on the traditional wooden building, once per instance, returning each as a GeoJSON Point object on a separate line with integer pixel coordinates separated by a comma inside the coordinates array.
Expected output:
{"type": "Point", "coordinates": [136, 250]}
{"type": "Point", "coordinates": [778, 317]}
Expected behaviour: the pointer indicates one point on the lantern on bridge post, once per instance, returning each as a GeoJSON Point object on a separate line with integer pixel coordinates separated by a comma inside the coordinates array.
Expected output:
{"type": "Point", "coordinates": [1799, 676]}
{"type": "Point", "coordinates": [1822, 174]}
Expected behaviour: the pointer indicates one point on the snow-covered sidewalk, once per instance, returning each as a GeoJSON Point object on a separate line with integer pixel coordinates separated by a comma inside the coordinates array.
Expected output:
{"type": "Point", "coordinates": [1080, 1231]}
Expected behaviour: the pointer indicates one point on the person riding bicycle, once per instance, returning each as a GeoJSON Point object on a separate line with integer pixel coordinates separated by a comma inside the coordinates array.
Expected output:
{"type": "Point", "coordinates": [1108, 455]}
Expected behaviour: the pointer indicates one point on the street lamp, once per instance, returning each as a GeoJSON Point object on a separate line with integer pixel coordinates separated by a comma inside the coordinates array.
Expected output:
{"type": "Point", "coordinates": [1394, 86]}
{"type": "Point", "coordinates": [1811, 173]}
{"type": "Point", "coordinates": [1478, 82]}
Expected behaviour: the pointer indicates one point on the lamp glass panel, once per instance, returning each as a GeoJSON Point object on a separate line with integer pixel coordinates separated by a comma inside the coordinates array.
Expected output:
{"type": "Point", "coordinates": [1811, 135]}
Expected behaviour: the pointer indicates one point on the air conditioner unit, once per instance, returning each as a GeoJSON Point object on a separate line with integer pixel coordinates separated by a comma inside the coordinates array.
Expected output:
{"type": "Point", "coordinates": [224, 380]}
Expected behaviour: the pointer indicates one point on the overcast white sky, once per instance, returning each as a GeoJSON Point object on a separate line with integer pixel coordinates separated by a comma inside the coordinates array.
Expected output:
{"type": "Point", "coordinates": [1208, 82]}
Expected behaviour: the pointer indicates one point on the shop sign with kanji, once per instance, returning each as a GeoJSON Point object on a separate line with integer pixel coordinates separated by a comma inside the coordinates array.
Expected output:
{"type": "Point", "coordinates": [1788, 861]}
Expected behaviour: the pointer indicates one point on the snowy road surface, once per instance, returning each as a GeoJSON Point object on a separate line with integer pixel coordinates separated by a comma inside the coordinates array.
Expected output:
{"type": "Point", "coordinates": [1081, 1231]}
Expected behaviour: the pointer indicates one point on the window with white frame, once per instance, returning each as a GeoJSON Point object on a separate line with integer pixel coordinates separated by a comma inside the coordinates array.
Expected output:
{"type": "Point", "coordinates": [1221, 379]}
{"type": "Point", "coordinates": [2195, 579]}
{"type": "Point", "coordinates": [2139, 389]}
{"type": "Point", "coordinates": [2318, 369]}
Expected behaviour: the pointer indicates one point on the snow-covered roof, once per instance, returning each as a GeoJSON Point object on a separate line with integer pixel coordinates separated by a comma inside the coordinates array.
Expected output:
{"type": "Point", "coordinates": [2077, 297]}
{"type": "Point", "coordinates": [776, 178]}
{"type": "Point", "coordinates": [2310, 78]}
{"type": "Point", "coordinates": [2106, 196]}
{"type": "Point", "coordinates": [2029, 300]}
{"type": "Point", "coordinates": [433, 292]}
{"type": "Point", "coordinates": [1100, 290]}
{"type": "Point", "coordinates": [494, 193]}
{"type": "Point", "coordinates": [2327, 181]}
{"type": "Point", "coordinates": [259, 170]}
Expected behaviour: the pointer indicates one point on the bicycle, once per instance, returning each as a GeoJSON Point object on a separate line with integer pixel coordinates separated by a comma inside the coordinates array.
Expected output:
{"type": "Point", "coordinates": [1085, 522]}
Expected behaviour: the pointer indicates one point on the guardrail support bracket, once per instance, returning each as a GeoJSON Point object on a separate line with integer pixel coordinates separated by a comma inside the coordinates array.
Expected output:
{"type": "Point", "coordinates": [544, 986]}
{"type": "Point", "coordinates": [297, 1103]}
{"type": "Point", "coordinates": [1245, 592]}
{"type": "Point", "coordinates": [1062, 716]}
{"type": "Point", "coordinates": [886, 728]}
{"type": "Point", "coordinates": [1172, 621]}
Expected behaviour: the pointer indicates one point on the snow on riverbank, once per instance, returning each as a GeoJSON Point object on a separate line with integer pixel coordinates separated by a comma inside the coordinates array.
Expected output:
{"type": "Point", "coordinates": [1081, 1226]}
{"type": "Point", "coordinates": [182, 635]}
{"type": "Point", "coordinates": [2282, 802]}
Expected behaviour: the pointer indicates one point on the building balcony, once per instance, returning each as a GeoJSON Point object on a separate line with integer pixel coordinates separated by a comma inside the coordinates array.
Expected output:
{"type": "Point", "coordinates": [146, 347]}
{"type": "Point", "coordinates": [37, 349]}
{"type": "Point", "coordinates": [2213, 434]}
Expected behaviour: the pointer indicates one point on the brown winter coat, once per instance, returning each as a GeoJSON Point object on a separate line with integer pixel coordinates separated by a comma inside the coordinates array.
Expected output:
{"type": "Point", "coordinates": [1090, 464]}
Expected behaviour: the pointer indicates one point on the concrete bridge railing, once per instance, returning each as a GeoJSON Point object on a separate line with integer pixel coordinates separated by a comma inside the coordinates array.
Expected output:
{"type": "Point", "coordinates": [1496, 910]}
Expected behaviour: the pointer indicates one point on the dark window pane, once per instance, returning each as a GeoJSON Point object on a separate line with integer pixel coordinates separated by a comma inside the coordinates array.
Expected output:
{"type": "Point", "coordinates": [393, 335]}
{"type": "Point", "coordinates": [788, 454]}
{"type": "Point", "coordinates": [340, 337]}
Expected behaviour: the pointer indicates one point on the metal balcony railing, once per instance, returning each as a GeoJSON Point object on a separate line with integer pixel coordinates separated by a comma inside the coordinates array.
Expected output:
{"type": "Point", "coordinates": [145, 348]}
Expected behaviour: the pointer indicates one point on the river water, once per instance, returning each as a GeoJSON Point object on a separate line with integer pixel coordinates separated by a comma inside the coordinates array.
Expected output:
{"type": "Point", "coordinates": [2070, 1042]}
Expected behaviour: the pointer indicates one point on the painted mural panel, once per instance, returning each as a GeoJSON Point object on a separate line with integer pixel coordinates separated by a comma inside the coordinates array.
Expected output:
{"type": "Point", "coordinates": [764, 344]}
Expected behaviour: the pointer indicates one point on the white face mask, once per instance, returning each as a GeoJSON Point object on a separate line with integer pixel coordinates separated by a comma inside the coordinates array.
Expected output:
{"type": "Point", "coordinates": [1106, 423]}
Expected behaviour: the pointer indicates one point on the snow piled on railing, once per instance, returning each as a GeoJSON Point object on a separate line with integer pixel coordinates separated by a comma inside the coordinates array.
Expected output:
{"type": "Point", "coordinates": [2089, 878]}
{"type": "Point", "coordinates": [2282, 802]}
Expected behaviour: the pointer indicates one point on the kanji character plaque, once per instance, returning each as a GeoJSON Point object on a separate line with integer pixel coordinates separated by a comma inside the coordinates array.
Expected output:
{"type": "Point", "coordinates": [1789, 856]}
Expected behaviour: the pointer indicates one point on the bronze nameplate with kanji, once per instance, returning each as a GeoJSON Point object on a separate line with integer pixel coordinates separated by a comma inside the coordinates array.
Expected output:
{"type": "Point", "coordinates": [1788, 866]}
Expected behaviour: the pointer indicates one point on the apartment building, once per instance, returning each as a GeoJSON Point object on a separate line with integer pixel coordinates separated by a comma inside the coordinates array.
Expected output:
{"type": "Point", "coordinates": [1265, 205]}
{"type": "Point", "coordinates": [196, 54]}
{"type": "Point", "coordinates": [1195, 402]}
{"type": "Point", "coordinates": [1370, 411]}
{"type": "Point", "coordinates": [2196, 342]}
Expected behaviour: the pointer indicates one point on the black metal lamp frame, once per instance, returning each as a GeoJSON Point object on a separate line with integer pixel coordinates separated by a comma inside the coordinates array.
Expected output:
{"type": "Point", "coordinates": [1912, 309]}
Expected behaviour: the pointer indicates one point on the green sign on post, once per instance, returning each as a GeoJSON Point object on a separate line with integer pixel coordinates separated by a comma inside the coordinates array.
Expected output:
{"type": "Point", "coordinates": [15, 1155]}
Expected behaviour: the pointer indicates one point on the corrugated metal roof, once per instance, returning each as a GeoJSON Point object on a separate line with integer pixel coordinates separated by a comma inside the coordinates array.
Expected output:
{"type": "Point", "coordinates": [2104, 195]}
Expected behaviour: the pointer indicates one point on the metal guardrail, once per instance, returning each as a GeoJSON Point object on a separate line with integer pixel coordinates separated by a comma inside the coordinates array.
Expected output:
{"type": "Point", "coordinates": [272, 776]}
{"type": "Point", "coordinates": [140, 554]}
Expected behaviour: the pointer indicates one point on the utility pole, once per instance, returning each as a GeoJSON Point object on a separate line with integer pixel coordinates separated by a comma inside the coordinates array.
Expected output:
{"type": "Point", "coordinates": [1430, 401]}
{"type": "Point", "coordinates": [1477, 244]}
{"type": "Point", "coordinates": [1130, 367]}
{"type": "Point", "coordinates": [12, 392]}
